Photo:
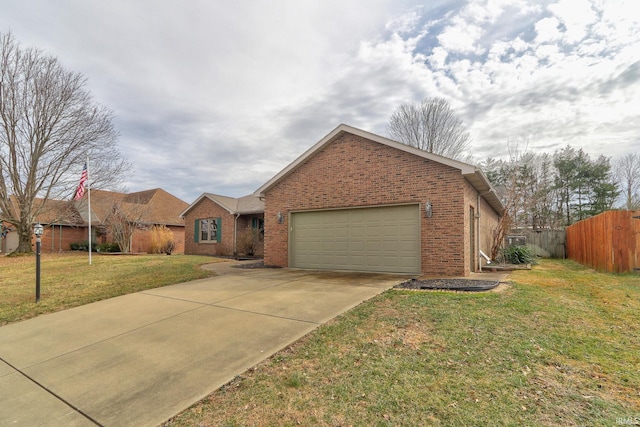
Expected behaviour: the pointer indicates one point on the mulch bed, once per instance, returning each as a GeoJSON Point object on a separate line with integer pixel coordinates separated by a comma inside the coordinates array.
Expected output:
{"type": "Point", "coordinates": [258, 264]}
{"type": "Point", "coordinates": [449, 285]}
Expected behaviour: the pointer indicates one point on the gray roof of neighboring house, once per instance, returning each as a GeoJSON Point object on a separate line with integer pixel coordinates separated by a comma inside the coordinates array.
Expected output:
{"type": "Point", "coordinates": [243, 205]}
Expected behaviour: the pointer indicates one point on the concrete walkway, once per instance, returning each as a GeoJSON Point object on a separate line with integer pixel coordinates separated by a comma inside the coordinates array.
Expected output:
{"type": "Point", "coordinates": [139, 359]}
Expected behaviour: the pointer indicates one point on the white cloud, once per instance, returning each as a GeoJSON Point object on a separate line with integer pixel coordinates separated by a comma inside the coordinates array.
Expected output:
{"type": "Point", "coordinates": [547, 30]}
{"type": "Point", "coordinates": [461, 36]}
{"type": "Point", "coordinates": [219, 96]}
{"type": "Point", "coordinates": [576, 15]}
{"type": "Point", "coordinates": [438, 58]}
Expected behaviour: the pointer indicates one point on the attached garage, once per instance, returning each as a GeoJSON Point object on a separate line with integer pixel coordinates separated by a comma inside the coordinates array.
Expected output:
{"type": "Point", "coordinates": [382, 239]}
{"type": "Point", "coordinates": [361, 202]}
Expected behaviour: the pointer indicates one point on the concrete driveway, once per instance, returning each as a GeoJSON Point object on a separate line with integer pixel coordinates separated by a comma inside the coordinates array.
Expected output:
{"type": "Point", "coordinates": [139, 359]}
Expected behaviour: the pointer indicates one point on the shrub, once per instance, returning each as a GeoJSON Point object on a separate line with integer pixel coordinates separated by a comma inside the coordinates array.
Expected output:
{"type": "Point", "coordinates": [108, 247]}
{"type": "Point", "coordinates": [517, 254]}
{"type": "Point", "coordinates": [82, 246]}
{"type": "Point", "coordinates": [161, 240]}
{"type": "Point", "coordinates": [249, 241]}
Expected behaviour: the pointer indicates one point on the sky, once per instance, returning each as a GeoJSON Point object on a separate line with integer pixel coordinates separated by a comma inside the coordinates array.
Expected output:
{"type": "Point", "coordinates": [219, 96]}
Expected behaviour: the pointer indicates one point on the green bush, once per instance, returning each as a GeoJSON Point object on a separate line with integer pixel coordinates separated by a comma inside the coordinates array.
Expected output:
{"type": "Point", "coordinates": [517, 254]}
{"type": "Point", "coordinates": [108, 247]}
{"type": "Point", "coordinates": [82, 246]}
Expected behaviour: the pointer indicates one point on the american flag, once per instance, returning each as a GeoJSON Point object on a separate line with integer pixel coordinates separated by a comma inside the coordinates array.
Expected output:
{"type": "Point", "coordinates": [81, 185]}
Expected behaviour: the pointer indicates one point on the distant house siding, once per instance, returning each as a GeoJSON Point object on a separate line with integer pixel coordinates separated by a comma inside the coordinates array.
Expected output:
{"type": "Point", "coordinates": [59, 239]}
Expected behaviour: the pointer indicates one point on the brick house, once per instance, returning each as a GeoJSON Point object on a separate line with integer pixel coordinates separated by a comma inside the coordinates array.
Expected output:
{"type": "Point", "coordinates": [358, 201]}
{"type": "Point", "coordinates": [63, 226]}
{"type": "Point", "coordinates": [221, 225]}
{"type": "Point", "coordinates": [66, 221]}
{"type": "Point", "coordinates": [148, 208]}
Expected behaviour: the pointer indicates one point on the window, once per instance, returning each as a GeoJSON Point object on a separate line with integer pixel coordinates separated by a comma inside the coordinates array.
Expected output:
{"type": "Point", "coordinates": [207, 230]}
{"type": "Point", "coordinates": [258, 225]}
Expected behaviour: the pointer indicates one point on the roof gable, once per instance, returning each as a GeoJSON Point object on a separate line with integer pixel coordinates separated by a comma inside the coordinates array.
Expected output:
{"type": "Point", "coordinates": [474, 175]}
{"type": "Point", "coordinates": [244, 205]}
{"type": "Point", "coordinates": [152, 206]}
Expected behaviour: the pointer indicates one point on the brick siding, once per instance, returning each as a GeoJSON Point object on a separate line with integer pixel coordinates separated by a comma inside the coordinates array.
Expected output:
{"type": "Point", "coordinates": [59, 239]}
{"type": "Point", "coordinates": [55, 239]}
{"type": "Point", "coordinates": [208, 209]}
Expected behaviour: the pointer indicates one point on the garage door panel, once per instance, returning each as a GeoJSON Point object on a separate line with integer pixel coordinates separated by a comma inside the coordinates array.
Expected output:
{"type": "Point", "coordinates": [366, 239]}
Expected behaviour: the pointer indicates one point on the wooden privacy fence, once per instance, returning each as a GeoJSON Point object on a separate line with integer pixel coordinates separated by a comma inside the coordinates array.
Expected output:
{"type": "Point", "coordinates": [543, 243]}
{"type": "Point", "coordinates": [608, 242]}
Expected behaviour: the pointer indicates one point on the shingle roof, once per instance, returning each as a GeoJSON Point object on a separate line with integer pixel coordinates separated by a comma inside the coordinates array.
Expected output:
{"type": "Point", "coordinates": [152, 206]}
{"type": "Point", "coordinates": [243, 205]}
{"type": "Point", "coordinates": [62, 212]}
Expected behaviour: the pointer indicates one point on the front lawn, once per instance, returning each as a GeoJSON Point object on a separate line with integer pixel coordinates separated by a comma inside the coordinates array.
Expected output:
{"type": "Point", "coordinates": [560, 346]}
{"type": "Point", "coordinates": [67, 280]}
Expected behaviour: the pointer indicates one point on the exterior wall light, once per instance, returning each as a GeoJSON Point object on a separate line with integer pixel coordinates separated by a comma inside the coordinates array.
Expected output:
{"type": "Point", "coordinates": [428, 209]}
{"type": "Point", "coordinates": [280, 218]}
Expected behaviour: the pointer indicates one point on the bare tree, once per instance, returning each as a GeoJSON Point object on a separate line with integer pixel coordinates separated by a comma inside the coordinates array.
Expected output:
{"type": "Point", "coordinates": [430, 125]}
{"type": "Point", "coordinates": [123, 220]}
{"type": "Point", "coordinates": [524, 183]}
{"type": "Point", "coordinates": [627, 171]}
{"type": "Point", "coordinates": [503, 176]}
{"type": "Point", "coordinates": [49, 124]}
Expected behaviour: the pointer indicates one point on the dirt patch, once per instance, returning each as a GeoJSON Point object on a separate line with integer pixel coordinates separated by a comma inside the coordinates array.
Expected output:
{"type": "Point", "coordinates": [465, 285]}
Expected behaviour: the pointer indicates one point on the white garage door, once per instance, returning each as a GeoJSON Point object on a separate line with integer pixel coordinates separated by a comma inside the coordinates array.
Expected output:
{"type": "Point", "coordinates": [383, 239]}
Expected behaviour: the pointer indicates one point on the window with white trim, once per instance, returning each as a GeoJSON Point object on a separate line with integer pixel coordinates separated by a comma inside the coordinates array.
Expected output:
{"type": "Point", "coordinates": [207, 230]}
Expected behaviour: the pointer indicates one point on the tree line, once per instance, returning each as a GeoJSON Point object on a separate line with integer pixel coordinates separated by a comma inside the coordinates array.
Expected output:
{"type": "Point", "coordinates": [547, 191]}
{"type": "Point", "coordinates": [538, 190]}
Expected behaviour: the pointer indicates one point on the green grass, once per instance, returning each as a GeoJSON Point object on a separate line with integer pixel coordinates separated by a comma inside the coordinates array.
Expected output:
{"type": "Point", "coordinates": [67, 280]}
{"type": "Point", "coordinates": [560, 346]}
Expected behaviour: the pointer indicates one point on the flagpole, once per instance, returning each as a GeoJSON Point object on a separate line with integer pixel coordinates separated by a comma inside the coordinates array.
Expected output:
{"type": "Point", "coordinates": [89, 206]}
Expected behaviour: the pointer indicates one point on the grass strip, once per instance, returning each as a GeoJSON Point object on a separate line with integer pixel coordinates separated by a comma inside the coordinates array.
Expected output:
{"type": "Point", "coordinates": [67, 280]}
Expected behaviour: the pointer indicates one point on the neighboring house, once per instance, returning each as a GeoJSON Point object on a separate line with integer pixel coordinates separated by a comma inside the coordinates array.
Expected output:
{"type": "Point", "coordinates": [216, 225]}
{"type": "Point", "coordinates": [146, 208]}
{"type": "Point", "coordinates": [63, 226]}
{"type": "Point", "coordinates": [361, 202]}
{"type": "Point", "coordinates": [67, 222]}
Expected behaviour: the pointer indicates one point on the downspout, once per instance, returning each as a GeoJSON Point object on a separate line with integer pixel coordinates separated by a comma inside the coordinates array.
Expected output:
{"type": "Point", "coordinates": [235, 234]}
{"type": "Point", "coordinates": [478, 233]}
